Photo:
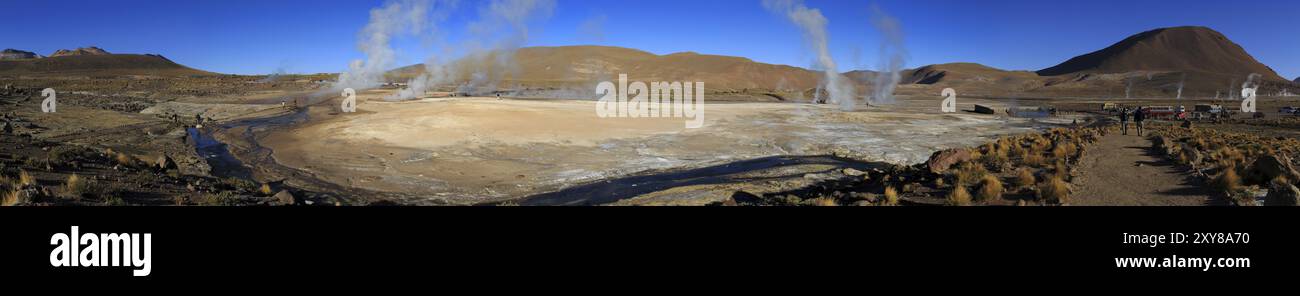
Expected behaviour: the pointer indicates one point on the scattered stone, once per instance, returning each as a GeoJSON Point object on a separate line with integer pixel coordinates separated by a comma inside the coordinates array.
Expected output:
{"type": "Point", "coordinates": [853, 172]}
{"type": "Point", "coordinates": [1282, 194]}
{"type": "Point", "coordinates": [165, 163]}
{"type": "Point", "coordinates": [943, 160]}
{"type": "Point", "coordinates": [284, 198]}
{"type": "Point", "coordinates": [1269, 167]}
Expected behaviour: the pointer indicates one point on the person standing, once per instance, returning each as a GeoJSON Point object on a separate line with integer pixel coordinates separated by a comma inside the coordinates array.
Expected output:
{"type": "Point", "coordinates": [1123, 120]}
{"type": "Point", "coordinates": [1138, 117]}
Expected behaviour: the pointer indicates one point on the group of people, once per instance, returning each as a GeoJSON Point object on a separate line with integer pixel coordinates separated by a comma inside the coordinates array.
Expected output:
{"type": "Point", "coordinates": [1138, 117]}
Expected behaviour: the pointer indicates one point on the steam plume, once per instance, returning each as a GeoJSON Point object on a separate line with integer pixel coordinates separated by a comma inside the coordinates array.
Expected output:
{"type": "Point", "coordinates": [893, 56]}
{"type": "Point", "coordinates": [813, 25]}
{"type": "Point", "coordinates": [503, 26]}
{"type": "Point", "coordinates": [395, 18]}
{"type": "Point", "coordinates": [1181, 82]}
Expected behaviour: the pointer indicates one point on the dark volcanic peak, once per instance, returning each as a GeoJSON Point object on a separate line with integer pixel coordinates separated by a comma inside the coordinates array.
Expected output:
{"type": "Point", "coordinates": [97, 62]}
{"type": "Point", "coordinates": [1188, 49]}
{"type": "Point", "coordinates": [14, 54]}
{"type": "Point", "coordinates": [84, 51]}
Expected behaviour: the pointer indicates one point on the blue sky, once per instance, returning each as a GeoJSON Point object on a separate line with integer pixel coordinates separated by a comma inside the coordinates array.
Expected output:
{"type": "Point", "coordinates": [308, 36]}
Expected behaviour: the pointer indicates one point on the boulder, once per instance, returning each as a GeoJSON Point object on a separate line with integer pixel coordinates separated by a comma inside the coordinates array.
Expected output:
{"type": "Point", "coordinates": [165, 163]}
{"type": "Point", "coordinates": [853, 172]}
{"type": "Point", "coordinates": [941, 161]}
{"type": "Point", "coordinates": [1282, 194]}
{"type": "Point", "coordinates": [981, 109]}
{"type": "Point", "coordinates": [284, 198]}
{"type": "Point", "coordinates": [1269, 167]}
{"type": "Point", "coordinates": [7, 128]}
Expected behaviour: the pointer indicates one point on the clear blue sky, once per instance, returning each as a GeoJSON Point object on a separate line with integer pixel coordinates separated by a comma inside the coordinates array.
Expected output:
{"type": "Point", "coordinates": [308, 36]}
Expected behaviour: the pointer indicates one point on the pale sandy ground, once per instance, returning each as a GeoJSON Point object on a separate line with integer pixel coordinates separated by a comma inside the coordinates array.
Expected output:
{"type": "Point", "coordinates": [471, 150]}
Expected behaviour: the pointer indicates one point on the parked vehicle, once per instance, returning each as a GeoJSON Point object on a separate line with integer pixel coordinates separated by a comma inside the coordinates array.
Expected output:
{"type": "Point", "coordinates": [1160, 112]}
{"type": "Point", "coordinates": [1208, 111]}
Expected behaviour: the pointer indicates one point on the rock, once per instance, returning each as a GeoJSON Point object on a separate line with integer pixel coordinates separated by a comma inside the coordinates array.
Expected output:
{"type": "Point", "coordinates": [1282, 194]}
{"type": "Point", "coordinates": [981, 109]}
{"type": "Point", "coordinates": [943, 160]}
{"type": "Point", "coordinates": [853, 172]}
{"type": "Point", "coordinates": [8, 128]}
{"type": "Point", "coordinates": [816, 177]}
{"type": "Point", "coordinates": [165, 163]}
{"type": "Point", "coordinates": [742, 198]}
{"type": "Point", "coordinates": [284, 198]}
{"type": "Point", "coordinates": [1269, 167]}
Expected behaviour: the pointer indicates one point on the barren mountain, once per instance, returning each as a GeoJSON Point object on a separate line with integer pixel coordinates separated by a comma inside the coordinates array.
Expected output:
{"type": "Point", "coordinates": [954, 75]}
{"type": "Point", "coordinates": [1195, 50]}
{"type": "Point", "coordinates": [14, 54]}
{"type": "Point", "coordinates": [90, 63]}
{"type": "Point", "coordinates": [581, 65]}
{"type": "Point", "coordinates": [84, 51]}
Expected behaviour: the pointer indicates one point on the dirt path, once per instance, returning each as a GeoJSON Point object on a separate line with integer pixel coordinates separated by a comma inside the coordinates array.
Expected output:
{"type": "Point", "coordinates": [1123, 170]}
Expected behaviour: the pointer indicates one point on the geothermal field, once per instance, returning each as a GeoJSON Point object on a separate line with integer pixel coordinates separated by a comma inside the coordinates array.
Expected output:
{"type": "Point", "coordinates": [500, 122]}
{"type": "Point", "coordinates": [476, 149]}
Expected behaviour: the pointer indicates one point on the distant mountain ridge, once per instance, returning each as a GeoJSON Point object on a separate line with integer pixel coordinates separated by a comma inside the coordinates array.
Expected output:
{"type": "Point", "coordinates": [14, 54]}
{"type": "Point", "coordinates": [591, 64]}
{"type": "Point", "coordinates": [93, 61]}
{"type": "Point", "coordinates": [84, 51]}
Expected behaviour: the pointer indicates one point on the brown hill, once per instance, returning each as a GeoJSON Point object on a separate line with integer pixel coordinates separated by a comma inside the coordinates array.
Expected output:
{"type": "Point", "coordinates": [98, 65]}
{"type": "Point", "coordinates": [952, 75]}
{"type": "Point", "coordinates": [1195, 50]}
{"type": "Point", "coordinates": [84, 51]}
{"type": "Point", "coordinates": [14, 54]}
{"type": "Point", "coordinates": [581, 65]}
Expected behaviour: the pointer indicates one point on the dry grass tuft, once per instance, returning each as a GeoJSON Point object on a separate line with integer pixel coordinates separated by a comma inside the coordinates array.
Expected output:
{"type": "Point", "coordinates": [25, 178]}
{"type": "Point", "coordinates": [1025, 178]}
{"type": "Point", "coordinates": [891, 196]}
{"type": "Point", "coordinates": [77, 187]}
{"type": "Point", "coordinates": [968, 173]}
{"type": "Point", "coordinates": [1054, 190]}
{"type": "Point", "coordinates": [124, 160]}
{"type": "Point", "coordinates": [10, 198]}
{"type": "Point", "coordinates": [1228, 181]}
{"type": "Point", "coordinates": [990, 189]}
{"type": "Point", "coordinates": [825, 202]}
{"type": "Point", "coordinates": [959, 197]}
